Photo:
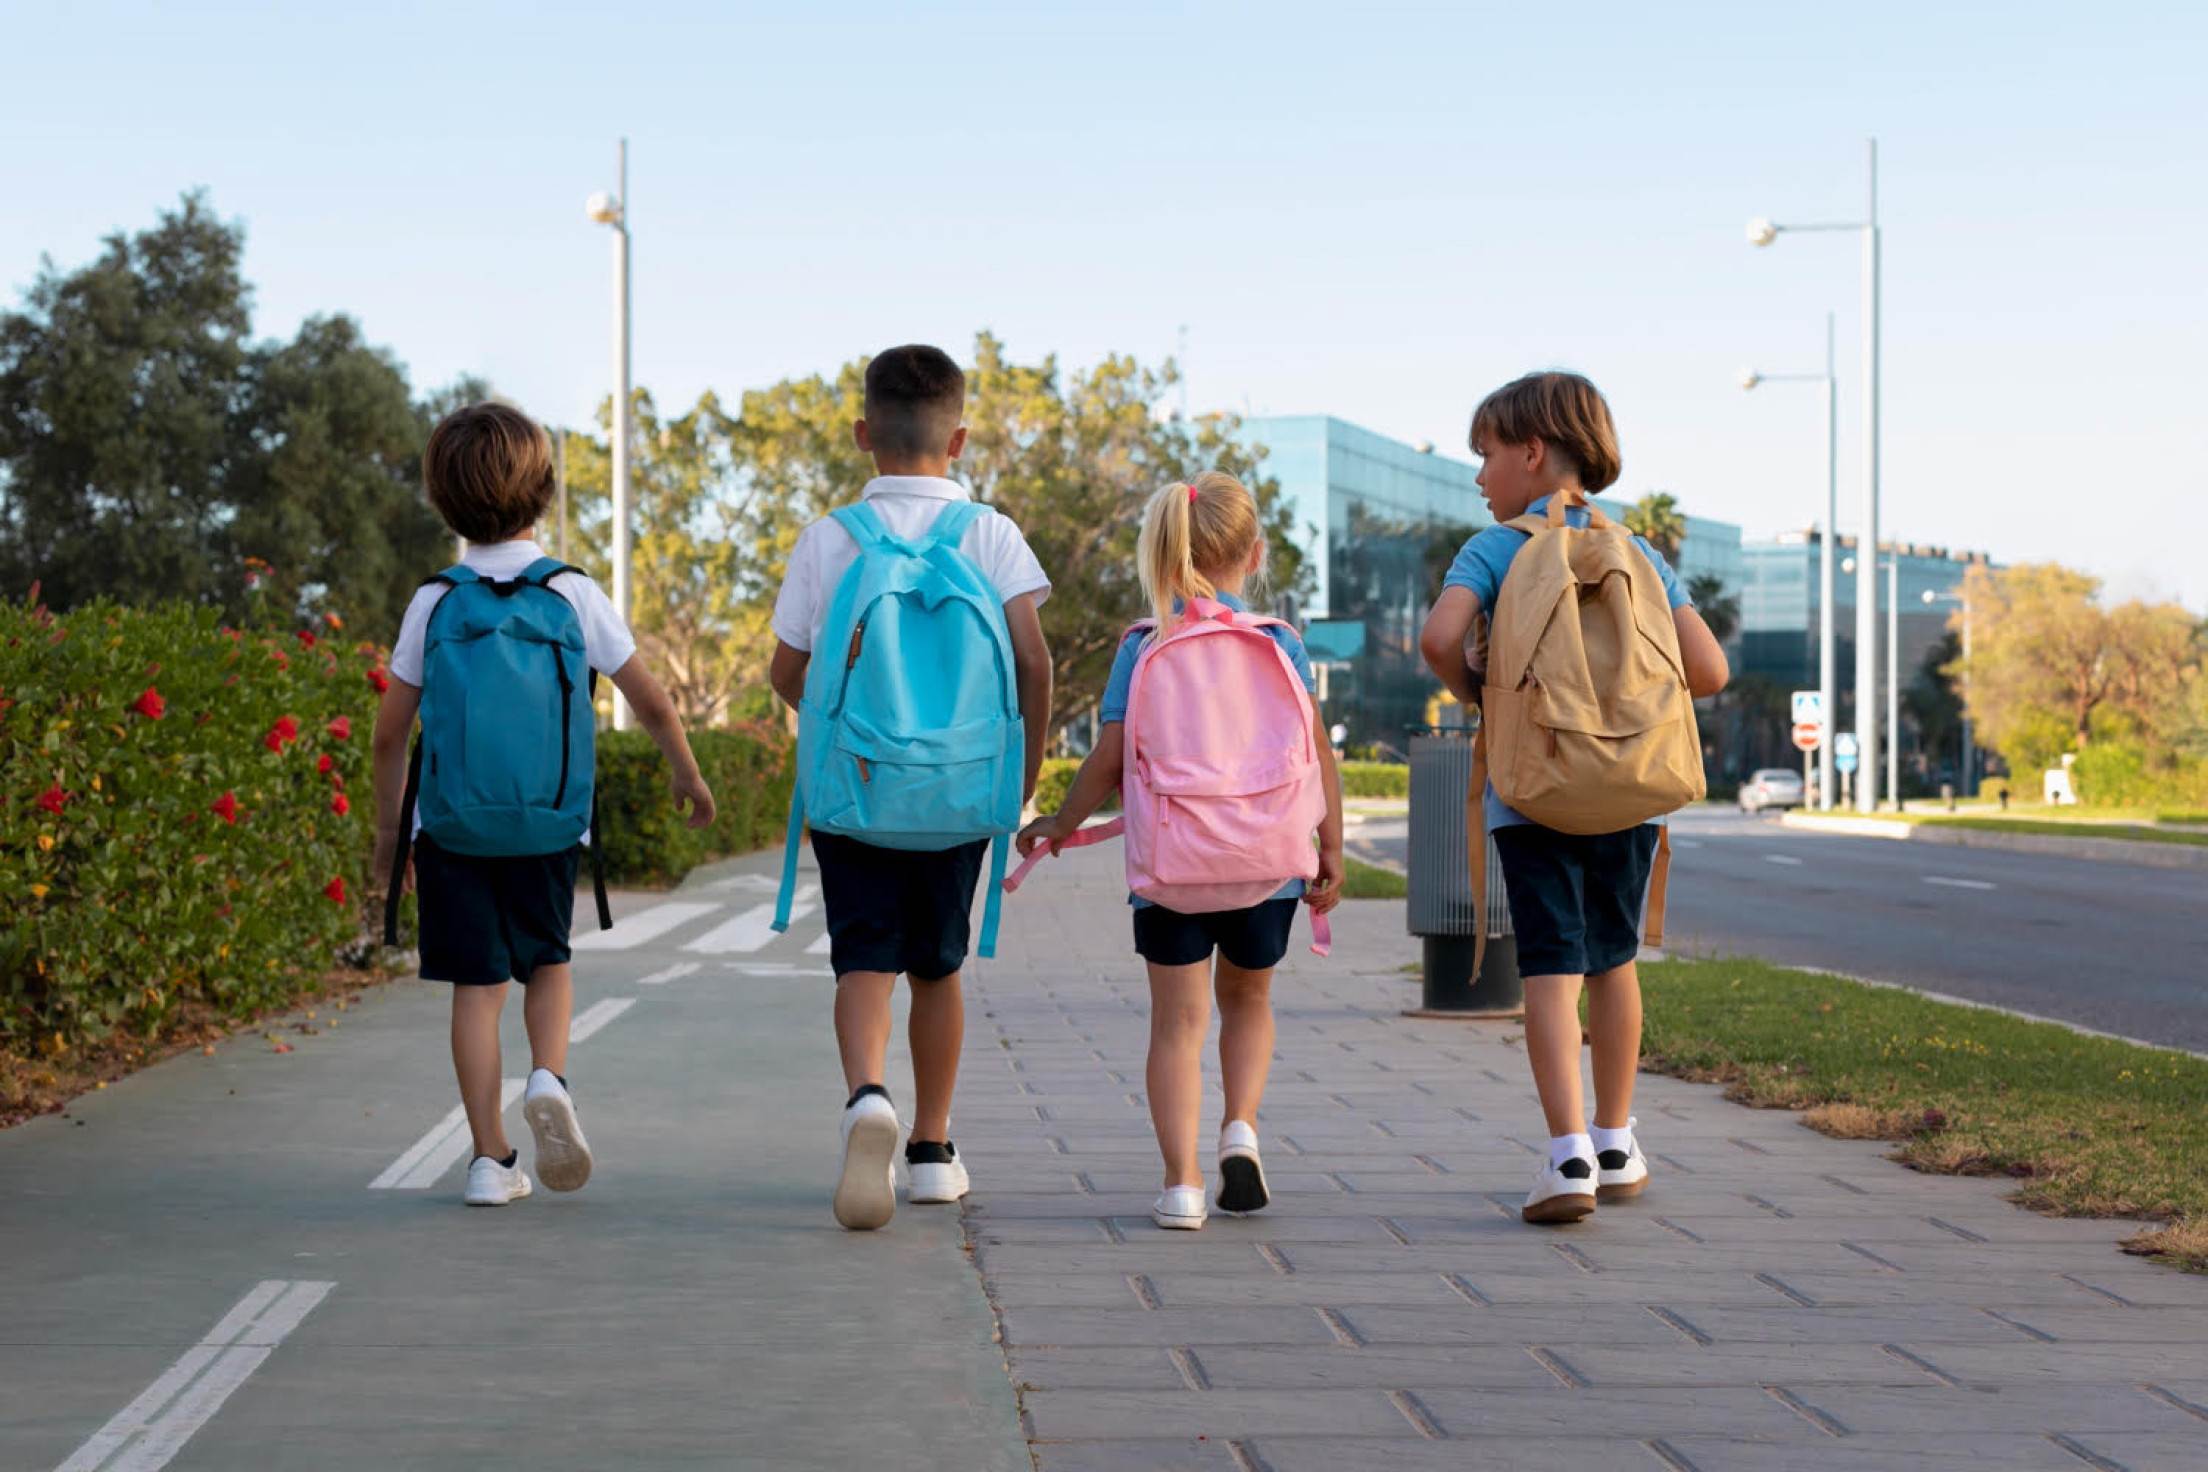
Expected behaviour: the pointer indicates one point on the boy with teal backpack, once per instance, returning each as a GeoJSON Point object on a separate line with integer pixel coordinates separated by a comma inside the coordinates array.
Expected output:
{"type": "Point", "coordinates": [919, 738]}
{"type": "Point", "coordinates": [499, 655]}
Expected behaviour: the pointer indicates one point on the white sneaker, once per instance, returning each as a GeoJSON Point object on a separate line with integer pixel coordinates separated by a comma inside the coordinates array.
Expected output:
{"type": "Point", "coordinates": [563, 1156]}
{"type": "Point", "coordinates": [1557, 1198]}
{"type": "Point", "coordinates": [866, 1194]}
{"type": "Point", "coordinates": [1621, 1174]}
{"type": "Point", "coordinates": [937, 1174]}
{"type": "Point", "coordinates": [492, 1183]}
{"type": "Point", "coordinates": [1179, 1208]}
{"type": "Point", "coordinates": [1241, 1173]}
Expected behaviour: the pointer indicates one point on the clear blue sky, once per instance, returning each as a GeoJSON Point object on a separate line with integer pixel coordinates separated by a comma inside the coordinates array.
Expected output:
{"type": "Point", "coordinates": [1377, 212]}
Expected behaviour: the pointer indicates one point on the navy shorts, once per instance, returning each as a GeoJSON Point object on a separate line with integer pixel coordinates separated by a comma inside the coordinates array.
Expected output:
{"type": "Point", "coordinates": [1254, 938]}
{"type": "Point", "coordinates": [485, 921]}
{"type": "Point", "coordinates": [894, 909]}
{"type": "Point", "coordinates": [1575, 898]}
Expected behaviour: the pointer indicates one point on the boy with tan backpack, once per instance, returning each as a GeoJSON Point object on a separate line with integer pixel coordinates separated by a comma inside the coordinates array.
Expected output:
{"type": "Point", "coordinates": [1586, 677]}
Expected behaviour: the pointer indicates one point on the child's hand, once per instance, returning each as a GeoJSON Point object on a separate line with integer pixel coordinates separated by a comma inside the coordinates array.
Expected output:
{"type": "Point", "coordinates": [692, 787]}
{"type": "Point", "coordinates": [1046, 829]}
{"type": "Point", "coordinates": [1325, 892]}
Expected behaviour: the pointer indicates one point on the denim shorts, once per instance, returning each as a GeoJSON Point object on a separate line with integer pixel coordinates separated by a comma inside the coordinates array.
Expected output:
{"type": "Point", "coordinates": [1575, 898]}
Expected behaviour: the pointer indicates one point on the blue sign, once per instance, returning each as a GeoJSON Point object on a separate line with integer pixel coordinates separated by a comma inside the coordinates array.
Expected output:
{"type": "Point", "coordinates": [1843, 751]}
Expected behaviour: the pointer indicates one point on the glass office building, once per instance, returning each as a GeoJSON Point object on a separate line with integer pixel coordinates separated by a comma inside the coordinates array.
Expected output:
{"type": "Point", "coordinates": [1379, 521]}
{"type": "Point", "coordinates": [1779, 606]}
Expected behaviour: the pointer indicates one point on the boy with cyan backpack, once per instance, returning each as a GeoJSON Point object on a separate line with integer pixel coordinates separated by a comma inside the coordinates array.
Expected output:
{"type": "Point", "coordinates": [1586, 680]}
{"type": "Point", "coordinates": [499, 656]}
{"type": "Point", "coordinates": [911, 649]}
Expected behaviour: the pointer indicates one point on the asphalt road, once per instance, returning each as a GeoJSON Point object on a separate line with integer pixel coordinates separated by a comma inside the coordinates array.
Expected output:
{"type": "Point", "coordinates": [2116, 947]}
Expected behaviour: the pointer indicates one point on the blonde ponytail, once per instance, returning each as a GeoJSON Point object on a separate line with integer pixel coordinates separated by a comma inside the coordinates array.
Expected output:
{"type": "Point", "coordinates": [1191, 531]}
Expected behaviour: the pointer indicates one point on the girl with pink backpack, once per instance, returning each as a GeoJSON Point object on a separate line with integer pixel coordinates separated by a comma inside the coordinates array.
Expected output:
{"type": "Point", "coordinates": [1211, 735]}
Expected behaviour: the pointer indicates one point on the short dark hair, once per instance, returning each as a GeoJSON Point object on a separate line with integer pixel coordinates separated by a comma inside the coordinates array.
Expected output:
{"type": "Point", "coordinates": [915, 398]}
{"type": "Point", "coordinates": [1564, 412]}
{"type": "Point", "coordinates": [488, 469]}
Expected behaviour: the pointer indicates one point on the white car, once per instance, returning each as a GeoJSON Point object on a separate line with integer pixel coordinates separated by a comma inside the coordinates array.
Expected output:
{"type": "Point", "coordinates": [1772, 787]}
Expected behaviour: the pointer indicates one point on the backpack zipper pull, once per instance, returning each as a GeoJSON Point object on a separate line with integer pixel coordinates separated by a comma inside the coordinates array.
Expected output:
{"type": "Point", "coordinates": [858, 637]}
{"type": "Point", "coordinates": [866, 773]}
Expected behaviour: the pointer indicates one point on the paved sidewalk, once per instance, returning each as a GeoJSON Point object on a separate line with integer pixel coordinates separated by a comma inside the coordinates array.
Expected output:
{"type": "Point", "coordinates": [1776, 1300]}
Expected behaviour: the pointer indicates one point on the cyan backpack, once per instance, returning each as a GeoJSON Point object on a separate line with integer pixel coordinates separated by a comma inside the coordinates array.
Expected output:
{"type": "Point", "coordinates": [909, 735]}
{"type": "Point", "coordinates": [505, 765]}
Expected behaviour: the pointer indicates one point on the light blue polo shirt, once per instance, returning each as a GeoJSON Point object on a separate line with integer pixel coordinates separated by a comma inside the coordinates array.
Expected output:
{"type": "Point", "coordinates": [1481, 565]}
{"type": "Point", "coordinates": [1114, 706]}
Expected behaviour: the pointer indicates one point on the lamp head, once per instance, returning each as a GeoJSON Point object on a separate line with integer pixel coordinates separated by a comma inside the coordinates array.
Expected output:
{"type": "Point", "coordinates": [1762, 232]}
{"type": "Point", "coordinates": [1847, 564]}
{"type": "Point", "coordinates": [1930, 597]}
{"type": "Point", "coordinates": [1749, 378]}
{"type": "Point", "coordinates": [603, 208]}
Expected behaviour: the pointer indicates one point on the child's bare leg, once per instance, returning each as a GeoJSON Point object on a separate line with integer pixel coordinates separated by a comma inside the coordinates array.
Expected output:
{"type": "Point", "coordinates": [1614, 1018]}
{"type": "Point", "coordinates": [1180, 1014]}
{"type": "Point", "coordinates": [548, 1008]}
{"type": "Point", "coordinates": [862, 1025]}
{"type": "Point", "coordinates": [475, 1059]}
{"type": "Point", "coordinates": [937, 1033]}
{"type": "Point", "coordinates": [1552, 1047]}
{"type": "Point", "coordinates": [1245, 1036]}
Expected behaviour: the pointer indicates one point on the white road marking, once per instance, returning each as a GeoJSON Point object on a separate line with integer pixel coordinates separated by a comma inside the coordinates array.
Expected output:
{"type": "Point", "coordinates": [634, 930]}
{"type": "Point", "coordinates": [439, 1150]}
{"type": "Point", "coordinates": [1686, 843]}
{"type": "Point", "coordinates": [748, 931]}
{"type": "Point", "coordinates": [1787, 859]}
{"type": "Point", "coordinates": [675, 972]}
{"type": "Point", "coordinates": [595, 1016]}
{"type": "Point", "coordinates": [1958, 883]}
{"type": "Point", "coordinates": [756, 883]}
{"type": "Point", "coordinates": [819, 947]}
{"type": "Point", "coordinates": [777, 968]}
{"type": "Point", "coordinates": [147, 1433]}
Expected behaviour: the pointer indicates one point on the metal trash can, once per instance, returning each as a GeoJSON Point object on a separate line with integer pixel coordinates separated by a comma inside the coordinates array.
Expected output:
{"type": "Point", "coordinates": [1442, 908]}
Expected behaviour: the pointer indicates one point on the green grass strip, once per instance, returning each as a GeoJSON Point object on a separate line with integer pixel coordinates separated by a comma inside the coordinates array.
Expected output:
{"type": "Point", "coordinates": [2085, 1126]}
{"type": "Point", "coordinates": [2057, 828]}
{"type": "Point", "coordinates": [1371, 882]}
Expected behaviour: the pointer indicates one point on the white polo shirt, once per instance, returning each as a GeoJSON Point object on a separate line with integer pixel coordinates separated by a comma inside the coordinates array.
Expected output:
{"type": "Point", "coordinates": [607, 642]}
{"type": "Point", "coordinates": [908, 505]}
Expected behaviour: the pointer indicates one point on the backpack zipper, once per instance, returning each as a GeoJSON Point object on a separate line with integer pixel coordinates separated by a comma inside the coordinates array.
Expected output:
{"type": "Point", "coordinates": [858, 637]}
{"type": "Point", "coordinates": [567, 717]}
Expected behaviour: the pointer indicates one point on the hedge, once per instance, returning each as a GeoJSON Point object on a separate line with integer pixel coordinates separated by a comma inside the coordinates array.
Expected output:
{"type": "Point", "coordinates": [184, 816]}
{"type": "Point", "coordinates": [1359, 779]}
{"type": "Point", "coordinates": [646, 841]}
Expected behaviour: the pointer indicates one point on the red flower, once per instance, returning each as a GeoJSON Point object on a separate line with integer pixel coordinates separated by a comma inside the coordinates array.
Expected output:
{"type": "Point", "coordinates": [151, 705]}
{"type": "Point", "coordinates": [341, 804]}
{"type": "Point", "coordinates": [335, 889]}
{"type": "Point", "coordinates": [342, 728]}
{"type": "Point", "coordinates": [226, 807]}
{"type": "Point", "coordinates": [52, 799]}
{"type": "Point", "coordinates": [274, 741]}
{"type": "Point", "coordinates": [324, 764]}
{"type": "Point", "coordinates": [288, 727]}
{"type": "Point", "coordinates": [380, 680]}
{"type": "Point", "coordinates": [282, 661]}
{"type": "Point", "coordinates": [306, 639]}
{"type": "Point", "coordinates": [333, 620]}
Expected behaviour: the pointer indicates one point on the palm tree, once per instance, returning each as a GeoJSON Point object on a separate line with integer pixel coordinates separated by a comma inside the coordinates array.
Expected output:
{"type": "Point", "coordinates": [1657, 519]}
{"type": "Point", "coordinates": [1719, 609]}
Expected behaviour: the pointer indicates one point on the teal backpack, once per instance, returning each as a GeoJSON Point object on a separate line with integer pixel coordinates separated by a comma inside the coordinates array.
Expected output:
{"type": "Point", "coordinates": [909, 735]}
{"type": "Point", "coordinates": [506, 762]}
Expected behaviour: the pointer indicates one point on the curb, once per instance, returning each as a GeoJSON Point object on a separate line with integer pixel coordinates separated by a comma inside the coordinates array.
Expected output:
{"type": "Point", "coordinates": [2100, 850]}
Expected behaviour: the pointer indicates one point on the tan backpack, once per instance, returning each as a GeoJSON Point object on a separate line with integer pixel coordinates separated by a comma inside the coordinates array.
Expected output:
{"type": "Point", "coordinates": [1586, 723]}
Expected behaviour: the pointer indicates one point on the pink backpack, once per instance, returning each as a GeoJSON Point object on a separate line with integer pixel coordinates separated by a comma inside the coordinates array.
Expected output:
{"type": "Point", "coordinates": [1221, 783]}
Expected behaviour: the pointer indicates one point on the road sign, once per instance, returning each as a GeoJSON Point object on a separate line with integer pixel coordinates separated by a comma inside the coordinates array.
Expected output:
{"type": "Point", "coordinates": [1843, 751]}
{"type": "Point", "coordinates": [1809, 737]}
{"type": "Point", "coordinates": [1809, 707]}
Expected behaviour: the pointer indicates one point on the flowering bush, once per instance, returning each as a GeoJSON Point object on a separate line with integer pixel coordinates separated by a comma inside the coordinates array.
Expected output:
{"type": "Point", "coordinates": [174, 830]}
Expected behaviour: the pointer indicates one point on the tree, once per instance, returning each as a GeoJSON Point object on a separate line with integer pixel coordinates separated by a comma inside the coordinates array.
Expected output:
{"type": "Point", "coordinates": [1932, 703]}
{"type": "Point", "coordinates": [1719, 609]}
{"type": "Point", "coordinates": [1657, 519]}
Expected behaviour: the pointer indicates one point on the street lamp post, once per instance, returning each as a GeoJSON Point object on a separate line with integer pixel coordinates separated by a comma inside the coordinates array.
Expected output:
{"type": "Point", "coordinates": [1763, 232]}
{"type": "Point", "coordinates": [1967, 768]}
{"type": "Point", "coordinates": [613, 211]}
{"type": "Point", "coordinates": [1827, 777]}
{"type": "Point", "coordinates": [1892, 565]}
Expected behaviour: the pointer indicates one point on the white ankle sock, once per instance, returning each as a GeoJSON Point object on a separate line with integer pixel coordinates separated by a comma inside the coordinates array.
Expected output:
{"type": "Point", "coordinates": [1617, 1139]}
{"type": "Point", "coordinates": [1565, 1147]}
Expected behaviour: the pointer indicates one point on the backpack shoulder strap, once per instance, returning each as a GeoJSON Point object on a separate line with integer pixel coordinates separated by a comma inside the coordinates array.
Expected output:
{"type": "Point", "coordinates": [544, 570]}
{"type": "Point", "coordinates": [454, 576]}
{"type": "Point", "coordinates": [865, 527]}
{"type": "Point", "coordinates": [951, 523]}
{"type": "Point", "coordinates": [1529, 524]}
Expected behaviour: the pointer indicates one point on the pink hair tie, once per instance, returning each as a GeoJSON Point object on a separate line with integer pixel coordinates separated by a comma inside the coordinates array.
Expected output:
{"type": "Point", "coordinates": [1192, 493]}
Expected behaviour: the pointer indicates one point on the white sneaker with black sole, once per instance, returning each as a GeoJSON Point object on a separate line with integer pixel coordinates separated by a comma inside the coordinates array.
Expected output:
{"type": "Point", "coordinates": [936, 1174]}
{"type": "Point", "coordinates": [866, 1193]}
{"type": "Point", "coordinates": [1241, 1174]}
{"type": "Point", "coordinates": [1179, 1208]}
{"type": "Point", "coordinates": [563, 1156]}
{"type": "Point", "coordinates": [1561, 1193]}
{"type": "Point", "coordinates": [496, 1182]}
{"type": "Point", "coordinates": [1620, 1175]}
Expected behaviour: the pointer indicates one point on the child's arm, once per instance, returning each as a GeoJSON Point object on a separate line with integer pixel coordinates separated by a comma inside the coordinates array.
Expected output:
{"type": "Point", "coordinates": [1442, 642]}
{"type": "Point", "coordinates": [786, 673]}
{"type": "Point", "coordinates": [656, 714]}
{"type": "Point", "coordinates": [1097, 779]}
{"type": "Point", "coordinates": [1699, 652]}
{"type": "Point", "coordinates": [1325, 892]}
{"type": "Point", "coordinates": [387, 747]}
{"type": "Point", "coordinates": [1031, 666]}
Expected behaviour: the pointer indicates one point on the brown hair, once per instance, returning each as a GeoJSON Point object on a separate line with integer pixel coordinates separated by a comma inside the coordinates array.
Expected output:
{"type": "Point", "coordinates": [1189, 531]}
{"type": "Point", "coordinates": [489, 471]}
{"type": "Point", "coordinates": [1564, 412]}
{"type": "Point", "coordinates": [915, 398]}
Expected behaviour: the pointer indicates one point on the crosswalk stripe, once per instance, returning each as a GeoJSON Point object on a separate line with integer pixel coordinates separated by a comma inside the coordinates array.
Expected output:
{"type": "Point", "coordinates": [439, 1150]}
{"type": "Point", "coordinates": [634, 930]}
{"type": "Point", "coordinates": [819, 947]}
{"type": "Point", "coordinates": [595, 1016]}
{"type": "Point", "coordinates": [747, 932]}
{"type": "Point", "coordinates": [675, 972]}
